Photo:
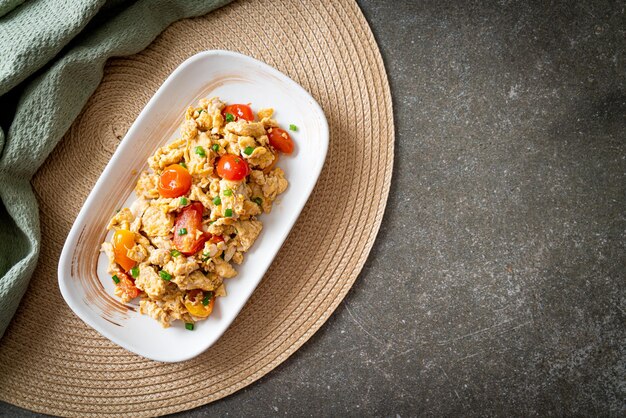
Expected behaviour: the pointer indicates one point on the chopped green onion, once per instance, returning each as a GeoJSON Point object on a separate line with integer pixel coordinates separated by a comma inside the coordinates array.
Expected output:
{"type": "Point", "coordinates": [165, 275]}
{"type": "Point", "coordinates": [293, 127]}
{"type": "Point", "coordinates": [217, 200]}
{"type": "Point", "coordinates": [116, 279]}
{"type": "Point", "coordinates": [215, 147]}
{"type": "Point", "coordinates": [183, 201]}
{"type": "Point", "coordinates": [182, 164]}
{"type": "Point", "coordinates": [207, 298]}
{"type": "Point", "coordinates": [211, 222]}
{"type": "Point", "coordinates": [205, 257]}
{"type": "Point", "coordinates": [134, 272]}
{"type": "Point", "coordinates": [228, 192]}
{"type": "Point", "coordinates": [228, 213]}
{"type": "Point", "coordinates": [189, 326]}
{"type": "Point", "coordinates": [200, 111]}
{"type": "Point", "coordinates": [182, 231]}
{"type": "Point", "coordinates": [200, 151]}
{"type": "Point", "coordinates": [258, 201]}
{"type": "Point", "coordinates": [175, 253]}
{"type": "Point", "coordinates": [248, 150]}
{"type": "Point", "coordinates": [229, 117]}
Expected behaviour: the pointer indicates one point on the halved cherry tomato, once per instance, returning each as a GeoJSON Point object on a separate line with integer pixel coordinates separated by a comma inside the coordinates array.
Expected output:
{"type": "Point", "coordinates": [239, 111]}
{"type": "Point", "coordinates": [232, 167]}
{"type": "Point", "coordinates": [123, 241]}
{"type": "Point", "coordinates": [128, 285]}
{"type": "Point", "coordinates": [280, 139]}
{"type": "Point", "coordinates": [216, 238]}
{"type": "Point", "coordinates": [175, 181]}
{"type": "Point", "coordinates": [189, 221]}
{"type": "Point", "coordinates": [194, 305]}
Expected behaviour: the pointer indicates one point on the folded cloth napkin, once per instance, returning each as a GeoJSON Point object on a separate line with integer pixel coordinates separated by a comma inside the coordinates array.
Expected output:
{"type": "Point", "coordinates": [52, 54]}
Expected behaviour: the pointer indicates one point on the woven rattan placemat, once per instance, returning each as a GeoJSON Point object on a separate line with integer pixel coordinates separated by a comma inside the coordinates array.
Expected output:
{"type": "Point", "coordinates": [51, 362]}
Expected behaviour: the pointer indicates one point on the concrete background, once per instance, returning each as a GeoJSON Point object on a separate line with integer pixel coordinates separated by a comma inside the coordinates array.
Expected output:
{"type": "Point", "coordinates": [497, 283]}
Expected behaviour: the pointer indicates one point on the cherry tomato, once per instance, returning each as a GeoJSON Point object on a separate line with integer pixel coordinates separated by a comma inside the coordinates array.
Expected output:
{"type": "Point", "coordinates": [239, 111]}
{"type": "Point", "coordinates": [128, 285]}
{"type": "Point", "coordinates": [232, 167]}
{"type": "Point", "coordinates": [194, 305]}
{"type": "Point", "coordinates": [175, 181]}
{"type": "Point", "coordinates": [216, 238]}
{"type": "Point", "coordinates": [123, 241]}
{"type": "Point", "coordinates": [189, 221]}
{"type": "Point", "coordinates": [280, 139]}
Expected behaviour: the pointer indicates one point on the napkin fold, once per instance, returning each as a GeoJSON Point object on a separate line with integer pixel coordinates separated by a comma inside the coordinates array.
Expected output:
{"type": "Point", "coordinates": [52, 55]}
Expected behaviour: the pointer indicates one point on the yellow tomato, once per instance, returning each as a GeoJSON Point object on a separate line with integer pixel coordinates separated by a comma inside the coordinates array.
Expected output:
{"type": "Point", "coordinates": [123, 241]}
{"type": "Point", "coordinates": [195, 306]}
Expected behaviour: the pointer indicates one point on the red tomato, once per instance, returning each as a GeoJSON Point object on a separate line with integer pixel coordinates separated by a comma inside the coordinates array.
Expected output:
{"type": "Point", "coordinates": [280, 139]}
{"type": "Point", "coordinates": [232, 167]}
{"type": "Point", "coordinates": [123, 241]}
{"type": "Point", "coordinates": [189, 221]}
{"type": "Point", "coordinates": [128, 285]}
{"type": "Point", "coordinates": [175, 181]}
{"type": "Point", "coordinates": [239, 111]}
{"type": "Point", "coordinates": [216, 238]}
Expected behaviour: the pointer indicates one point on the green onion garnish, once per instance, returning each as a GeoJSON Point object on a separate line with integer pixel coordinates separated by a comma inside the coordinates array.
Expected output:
{"type": "Point", "coordinates": [293, 127]}
{"type": "Point", "coordinates": [228, 213]}
{"type": "Point", "coordinates": [200, 111]}
{"type": "Point", "coordinates": [229, 117]}
{"type": "Point", "coordinates": [116, 279]}
{"type": "Point", "coordinates": [217, 201]}
{"type": "Point", "coordinates": [183, 201]}
{"type": "Point", "coordinates": [248, 150]}
{"type": "Point", "coordinates": [228, 192]}
{"type": "Point", "coordinates": [200, 151]}
{"type": "Point", "coordinates": [189, 326]}
{"type": "Point", "coordinates": [182, 164]}
{"type": "Point", "coordinates": [175, 253]}
{"type": "Point", "coordinates": [165, 275]}
{"type": "Point", "coordinates": [182, 231]}
{"type": "Point", "coordinates": [215, 147]}
{"type": "Point", "coordinates": [134, 272]}
{"type": "Point", "coordinates": [205, 257]}
{"type": "Point", "coordinates": [207, 298]}
{"type": "Point", "coordinates": [258, 201]}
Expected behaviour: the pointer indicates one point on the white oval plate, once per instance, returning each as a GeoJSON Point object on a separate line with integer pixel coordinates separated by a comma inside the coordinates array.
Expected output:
{"type": "Point", "coordinates": [235, 78]}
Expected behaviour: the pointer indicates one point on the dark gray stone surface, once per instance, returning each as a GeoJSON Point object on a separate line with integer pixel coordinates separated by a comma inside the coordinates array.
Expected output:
{"type": "Point", "coordinates": [497, 283]}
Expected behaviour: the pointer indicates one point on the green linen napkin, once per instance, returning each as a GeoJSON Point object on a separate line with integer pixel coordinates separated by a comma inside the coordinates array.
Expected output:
{"type": "Point", "coordinates": [52, 54]}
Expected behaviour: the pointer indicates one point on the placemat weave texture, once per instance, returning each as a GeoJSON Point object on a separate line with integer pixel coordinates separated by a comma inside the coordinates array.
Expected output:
{"type": "Point", "coordinates": [51, 362]}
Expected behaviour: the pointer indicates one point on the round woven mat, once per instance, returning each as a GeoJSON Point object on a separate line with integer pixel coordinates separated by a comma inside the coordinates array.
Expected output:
{"type": "Point", "coordinates": [51, 362]}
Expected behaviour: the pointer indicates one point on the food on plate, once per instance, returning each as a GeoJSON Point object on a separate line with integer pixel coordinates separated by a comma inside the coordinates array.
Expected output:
{"type": "Point", "coordinates": [196, 212]}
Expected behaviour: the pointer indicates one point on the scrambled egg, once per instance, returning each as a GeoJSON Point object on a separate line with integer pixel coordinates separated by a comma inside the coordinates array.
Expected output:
{"type": "Point", "coordinates": [174, 284]}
